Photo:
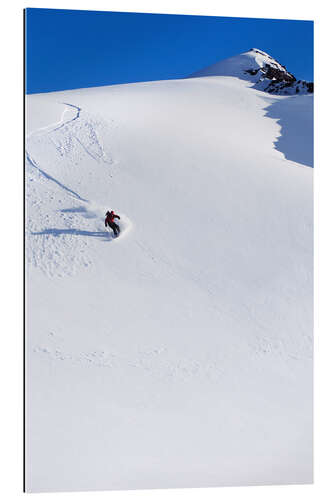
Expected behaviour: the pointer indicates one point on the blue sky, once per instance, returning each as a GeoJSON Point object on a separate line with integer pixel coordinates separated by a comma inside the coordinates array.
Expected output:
{"type": "Point", "coordinates": [67, 49]}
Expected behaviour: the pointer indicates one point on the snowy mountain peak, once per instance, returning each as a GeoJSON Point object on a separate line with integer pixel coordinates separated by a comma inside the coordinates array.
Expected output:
{"type": "Point", "coordinates": [258, 67]}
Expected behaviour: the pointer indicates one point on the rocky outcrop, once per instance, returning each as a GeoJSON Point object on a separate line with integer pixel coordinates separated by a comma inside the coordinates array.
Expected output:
{"type": "Point", "coordinates": [274, 78]}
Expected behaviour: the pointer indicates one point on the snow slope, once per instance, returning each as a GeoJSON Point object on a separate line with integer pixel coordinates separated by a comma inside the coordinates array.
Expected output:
{"type": "Point", "coordinates": [179, 354]}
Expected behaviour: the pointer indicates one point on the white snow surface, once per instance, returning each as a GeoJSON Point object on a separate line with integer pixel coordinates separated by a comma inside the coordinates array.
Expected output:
{"type": "Point", "coordinates": [237, 65]}
{"type": "Point", "coordinates": [180, 353]}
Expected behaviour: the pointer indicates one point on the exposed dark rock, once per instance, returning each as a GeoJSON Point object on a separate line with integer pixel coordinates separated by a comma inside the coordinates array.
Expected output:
{"type": "Point", "coordinates": [252, 71]}
{"type": "Point", "coordinates": [278, 80]}
{"type": "Point", "coordinates": [310, 87]}
{"type": "Point", "coordinates": [277, 74]}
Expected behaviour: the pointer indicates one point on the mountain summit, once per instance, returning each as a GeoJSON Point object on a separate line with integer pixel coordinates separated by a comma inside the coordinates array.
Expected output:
{"type": "Point", "coordinates": [258, 67]}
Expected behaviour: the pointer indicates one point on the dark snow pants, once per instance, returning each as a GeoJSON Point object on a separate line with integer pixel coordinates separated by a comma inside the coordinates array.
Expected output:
{"type": "Point", "coordinates": [114, 227]}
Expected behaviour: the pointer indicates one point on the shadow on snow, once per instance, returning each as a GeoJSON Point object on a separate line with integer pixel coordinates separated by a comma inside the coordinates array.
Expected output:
{"type": "Point", "coordinates": [74, 232]}
{"type": "Point", "coordinates": [88, 214]}
{"type": "Point", "coordinates": [295, 116]}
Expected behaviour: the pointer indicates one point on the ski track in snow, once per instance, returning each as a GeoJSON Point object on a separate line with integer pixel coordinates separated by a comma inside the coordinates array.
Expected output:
{"type": "Point", "coordinates": [49, 177]}
{"type": "Point", "coordinates": [154, 362]}
{"type": "Point", "coordinates": [63, 246]}
{"type": "Point", "coordinates": [160, 363]}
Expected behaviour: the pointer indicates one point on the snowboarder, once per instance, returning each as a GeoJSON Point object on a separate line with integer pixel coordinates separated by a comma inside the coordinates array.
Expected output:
{"type": "Point", "coordinates": [109, 221]}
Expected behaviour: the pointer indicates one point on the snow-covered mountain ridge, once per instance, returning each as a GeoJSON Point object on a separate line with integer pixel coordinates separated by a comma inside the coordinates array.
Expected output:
{"type": "Point", "coordinates": [258, 67]}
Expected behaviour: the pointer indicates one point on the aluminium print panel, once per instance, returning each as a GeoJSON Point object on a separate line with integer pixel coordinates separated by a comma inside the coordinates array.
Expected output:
{"type": "Point", "coordinates": [168, 251]}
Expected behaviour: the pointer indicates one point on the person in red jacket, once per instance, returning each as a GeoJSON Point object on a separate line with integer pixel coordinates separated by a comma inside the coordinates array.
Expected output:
{"type": "Point", "coordinates": [109, 221]}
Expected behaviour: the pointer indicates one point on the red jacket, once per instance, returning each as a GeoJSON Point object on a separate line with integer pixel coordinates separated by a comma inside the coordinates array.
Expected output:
{"type": "Point", "coordinates": [111, 216]}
